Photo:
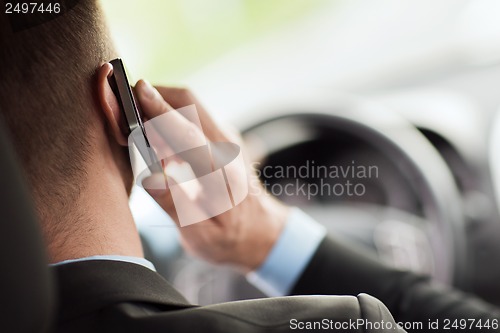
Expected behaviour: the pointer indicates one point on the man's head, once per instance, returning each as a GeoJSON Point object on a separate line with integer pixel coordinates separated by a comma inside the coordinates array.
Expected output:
{"type": "Point", "coordinates": [52, 93]}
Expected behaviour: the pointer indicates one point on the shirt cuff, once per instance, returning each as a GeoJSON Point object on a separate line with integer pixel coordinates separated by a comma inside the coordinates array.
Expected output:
{"type": "Point", "coordinates": [289, 256]}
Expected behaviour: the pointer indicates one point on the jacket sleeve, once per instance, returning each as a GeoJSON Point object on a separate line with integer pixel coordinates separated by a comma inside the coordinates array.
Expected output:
{"type": "Point", "coordinates": [339, 268]}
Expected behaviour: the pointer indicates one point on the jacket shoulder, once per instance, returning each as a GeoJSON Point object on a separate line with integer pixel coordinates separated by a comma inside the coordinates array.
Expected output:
{"type": "Point", "coordinates": [281, 314]}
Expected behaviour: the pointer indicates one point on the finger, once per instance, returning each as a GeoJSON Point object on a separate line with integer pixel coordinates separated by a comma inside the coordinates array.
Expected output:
{"type": "Point", "coordinates": [180, 97]}
{"type": "Point", "coordinates": [184, 210]}
{"type": "Point", "coordinates": [166, 125]}
{"type": "Point", "coordinates": [160, 147]}
{"type": "Point", "coordinates": [156, 186]}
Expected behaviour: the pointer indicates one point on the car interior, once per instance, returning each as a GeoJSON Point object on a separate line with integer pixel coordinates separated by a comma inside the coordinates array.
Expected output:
{"type": "Point", "coordinates": [427, 133]}
{"type": "Point", "coordinates": [427, 121]}
{"type": "Point", "coordinates": [432, 207]}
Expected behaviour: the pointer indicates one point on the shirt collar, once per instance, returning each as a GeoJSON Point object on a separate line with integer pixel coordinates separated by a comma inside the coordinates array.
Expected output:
{"type": "Point", "coordinates": [133, 260]}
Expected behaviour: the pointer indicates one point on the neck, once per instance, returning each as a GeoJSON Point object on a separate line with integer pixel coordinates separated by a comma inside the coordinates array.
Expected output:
{"type": "Point", "coordinates": [104, 223]}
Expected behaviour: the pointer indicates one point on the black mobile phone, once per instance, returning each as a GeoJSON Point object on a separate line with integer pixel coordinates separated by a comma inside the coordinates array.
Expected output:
{"type": "Point", "coordinates": [126, 99]}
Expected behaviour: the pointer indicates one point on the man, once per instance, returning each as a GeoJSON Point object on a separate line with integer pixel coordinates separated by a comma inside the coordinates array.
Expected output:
{"type": "Point", "coordinates": [65, 123]}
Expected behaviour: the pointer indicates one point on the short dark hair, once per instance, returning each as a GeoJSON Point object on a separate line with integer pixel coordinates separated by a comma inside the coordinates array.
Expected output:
{"type": "Point", "coordinates": [47, 97]}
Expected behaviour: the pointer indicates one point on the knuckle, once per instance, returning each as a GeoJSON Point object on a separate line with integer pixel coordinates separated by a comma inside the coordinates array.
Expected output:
{"type": "Point", "coordinates": [164, 108]}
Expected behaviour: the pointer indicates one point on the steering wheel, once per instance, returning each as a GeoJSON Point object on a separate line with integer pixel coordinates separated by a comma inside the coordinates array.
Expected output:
{"type": "Point", "coordinates": [411, 217]}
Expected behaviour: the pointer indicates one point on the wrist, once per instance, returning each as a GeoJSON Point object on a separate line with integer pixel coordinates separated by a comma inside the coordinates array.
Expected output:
{"type": "Point", "coordinates": [269, 219]}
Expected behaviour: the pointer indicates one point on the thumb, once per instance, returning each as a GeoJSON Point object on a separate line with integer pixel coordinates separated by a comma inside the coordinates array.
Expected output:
{"type": "Point", "coordinates": [153, 104]}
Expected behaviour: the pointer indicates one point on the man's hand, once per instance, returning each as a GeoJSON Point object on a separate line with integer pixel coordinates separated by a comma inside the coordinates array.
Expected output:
{"type": "Point", "coordinates": [243, 235]}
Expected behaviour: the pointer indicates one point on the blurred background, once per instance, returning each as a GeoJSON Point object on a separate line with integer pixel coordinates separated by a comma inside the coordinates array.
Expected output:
{"type": "Point", "coordinates": [410, 86]}
{"type": "Point", "coordinates": [234, 53]}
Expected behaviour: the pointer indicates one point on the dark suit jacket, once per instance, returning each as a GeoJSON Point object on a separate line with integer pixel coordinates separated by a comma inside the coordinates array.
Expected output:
{"type": "Point", "coordinates": [111, 296]}
{"type": "Point", "coordinates": [107, 296]}
{"type": "Point", "coordinates": [339, 268]}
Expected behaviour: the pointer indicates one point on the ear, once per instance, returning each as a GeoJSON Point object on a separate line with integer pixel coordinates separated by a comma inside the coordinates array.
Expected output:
{"type": "Point", "coordinates": [109, 104]}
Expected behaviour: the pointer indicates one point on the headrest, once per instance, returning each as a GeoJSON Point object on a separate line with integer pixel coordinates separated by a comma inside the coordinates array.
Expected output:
{"type": "Point", "coordinates": [26, 294]}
